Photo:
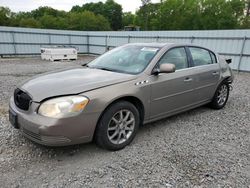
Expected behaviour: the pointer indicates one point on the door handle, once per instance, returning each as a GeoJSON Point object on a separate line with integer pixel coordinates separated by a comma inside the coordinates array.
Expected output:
{"type": "Point", "coordinates": [188, 79]}
{"type": "Point", "coordinates": [215, 73]}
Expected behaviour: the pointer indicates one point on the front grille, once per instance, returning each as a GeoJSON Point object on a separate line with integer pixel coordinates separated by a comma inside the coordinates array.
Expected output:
{"type": "Point", "coordinates": [22, 99]}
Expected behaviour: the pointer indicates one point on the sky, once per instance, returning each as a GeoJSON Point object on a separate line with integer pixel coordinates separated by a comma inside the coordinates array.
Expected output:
{"type": "Point", "coordinates": [28, 5]}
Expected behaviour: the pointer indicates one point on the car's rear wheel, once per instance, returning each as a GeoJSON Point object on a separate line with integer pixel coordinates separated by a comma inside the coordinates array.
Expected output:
{"type": "Point", "coordinates": [221, 96]}
{"type": "Point", "coordinates": [117, 126]}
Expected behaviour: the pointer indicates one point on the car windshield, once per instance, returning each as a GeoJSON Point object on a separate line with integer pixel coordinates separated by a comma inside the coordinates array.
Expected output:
{"type": "Point", "coordinates": [126, 59]}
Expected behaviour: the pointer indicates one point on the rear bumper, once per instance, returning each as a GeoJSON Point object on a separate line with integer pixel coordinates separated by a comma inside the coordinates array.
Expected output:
{"type": "Point", "coordinates": [55, 132]}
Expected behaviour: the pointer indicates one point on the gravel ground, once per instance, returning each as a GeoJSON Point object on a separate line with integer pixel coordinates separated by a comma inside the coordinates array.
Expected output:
{"type": "Point", "coordinates": [199, 148]}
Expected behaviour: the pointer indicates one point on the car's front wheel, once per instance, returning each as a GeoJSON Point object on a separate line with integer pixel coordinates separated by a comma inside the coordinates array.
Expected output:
{"type": "Point", "coordinates": [117, 126]}
{"type": "Point", "coordinates": [221, 96]}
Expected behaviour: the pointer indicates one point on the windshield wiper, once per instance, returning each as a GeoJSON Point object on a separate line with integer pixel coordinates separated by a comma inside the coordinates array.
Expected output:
{"type": "Point", "coordinates": [106, 69]}
{"type": "Point", "coordinates": [85, 65]}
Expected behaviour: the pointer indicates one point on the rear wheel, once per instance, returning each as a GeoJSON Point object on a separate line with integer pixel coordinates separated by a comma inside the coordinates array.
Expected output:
{"type": "Point", "coordinates": [221, 96]}
{"type": "Point", "coordinates": [117, 126]}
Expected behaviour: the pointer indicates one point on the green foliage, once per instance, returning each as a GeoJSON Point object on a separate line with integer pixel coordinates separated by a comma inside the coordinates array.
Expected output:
{"type": "Point", "coordinates": [5, 16]}
{"type": "Point", "coordinates": [97, 8]}
{"type": "Point", "coordinates": [88, 21]}
{"type": "Point", "coordinates": [29, 22]}
{"type": "Point", "coordinates": [41, 11]}
{"type": "Point", "coordinates": [180, 14]}
{"type": "Point", "coordinates": [49, 18]}
{"type": "Point", "coordinates": [167, 15]}
{"type": "Point", "coordinates": [192, 14]}
{"type": "Point", "coordinates": [110, 10]}
{"type": "Point", "coordinates": [113, 12]}
{"type": "Point", "coordinates": [128, 19]}
{"type": "Point", "coordinates": [148, 16]}
{"type": "Point", "coordinates": [218, 14]}
{"type": "Point", "coordinates": [48, 21]}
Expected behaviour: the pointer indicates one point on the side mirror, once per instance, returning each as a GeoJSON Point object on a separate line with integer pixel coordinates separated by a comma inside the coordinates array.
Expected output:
{"type": "Point", "coordinates": [165, 68]}
{"type": "Point", "coordinates": [229, 61]}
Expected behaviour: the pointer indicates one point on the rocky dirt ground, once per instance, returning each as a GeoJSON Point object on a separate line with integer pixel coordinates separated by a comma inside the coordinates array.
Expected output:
{"type": "Point", "coordinates": [199, 148]}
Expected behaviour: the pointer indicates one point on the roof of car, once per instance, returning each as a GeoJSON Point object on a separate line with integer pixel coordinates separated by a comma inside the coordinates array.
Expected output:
{"type": "Point", "coordinates": [153, 44]}
{"type": "Point", "coordinates": [165, 44]}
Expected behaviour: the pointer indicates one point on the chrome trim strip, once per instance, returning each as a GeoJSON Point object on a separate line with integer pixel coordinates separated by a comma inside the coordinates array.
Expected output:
{"type": "Point", "coordinates": [173, 95]}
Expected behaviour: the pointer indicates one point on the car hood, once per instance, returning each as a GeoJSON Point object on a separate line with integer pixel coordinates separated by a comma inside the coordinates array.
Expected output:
{"type": "Point", "coordinates": [71, 81]}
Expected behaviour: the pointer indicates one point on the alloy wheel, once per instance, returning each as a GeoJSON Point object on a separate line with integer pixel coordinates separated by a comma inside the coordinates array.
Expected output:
{"type": "Point", "coordinates": [222, 95]}
{"type": "Point", "coordinates": [121, 126]}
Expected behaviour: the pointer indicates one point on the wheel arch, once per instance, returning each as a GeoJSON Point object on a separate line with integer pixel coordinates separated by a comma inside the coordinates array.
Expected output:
{"type": "Point", "coordinates": [226, 79]}
{"type": "Point", "coordinates": [133, 100]}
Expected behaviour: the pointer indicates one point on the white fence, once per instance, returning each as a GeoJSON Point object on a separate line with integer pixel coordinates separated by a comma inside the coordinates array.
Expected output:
{"type": "Point", "coordinates": [22, 41]}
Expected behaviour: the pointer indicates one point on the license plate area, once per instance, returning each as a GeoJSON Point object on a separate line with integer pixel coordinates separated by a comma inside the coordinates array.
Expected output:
{"type": "Point", "coordinates": [13, 119]}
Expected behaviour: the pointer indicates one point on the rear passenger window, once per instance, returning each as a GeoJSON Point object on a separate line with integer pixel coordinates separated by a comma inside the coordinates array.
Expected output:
{"type": "Point", "coordinates": [176, 56]}
{"type": "Point", "coordinates": [200, 56]}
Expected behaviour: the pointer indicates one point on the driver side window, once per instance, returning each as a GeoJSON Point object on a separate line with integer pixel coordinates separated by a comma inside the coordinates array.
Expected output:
{"type": "Point", "coordinates": [176, 56]}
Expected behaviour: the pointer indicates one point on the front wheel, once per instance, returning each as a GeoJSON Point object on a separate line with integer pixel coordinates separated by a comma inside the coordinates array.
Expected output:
{"type": "Point", "coordinates": [117, 126]}
{"type": "Point", "coordinates": [221, 96]}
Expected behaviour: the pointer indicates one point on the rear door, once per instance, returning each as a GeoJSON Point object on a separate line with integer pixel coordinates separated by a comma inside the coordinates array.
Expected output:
{"type": "Point", "coordinates": [206, 72]}
{"type": "Point", "coordinates": [172, 92]}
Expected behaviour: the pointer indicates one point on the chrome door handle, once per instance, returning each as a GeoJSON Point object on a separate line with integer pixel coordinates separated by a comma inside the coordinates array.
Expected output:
{"type": "Point", "coordinates": [188, 79]}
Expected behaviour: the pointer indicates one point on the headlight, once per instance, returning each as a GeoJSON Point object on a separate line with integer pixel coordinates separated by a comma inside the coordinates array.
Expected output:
{"type": "Point", "coordinates": [63, 106]}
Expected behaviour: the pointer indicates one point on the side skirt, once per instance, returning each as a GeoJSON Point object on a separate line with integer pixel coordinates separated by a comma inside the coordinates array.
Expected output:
{"type": "Point", "coordinates": [174, 112]}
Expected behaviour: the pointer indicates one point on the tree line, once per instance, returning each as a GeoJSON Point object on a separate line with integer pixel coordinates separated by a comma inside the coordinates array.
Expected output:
{"type": "Point", "coordinates": [165, 15]}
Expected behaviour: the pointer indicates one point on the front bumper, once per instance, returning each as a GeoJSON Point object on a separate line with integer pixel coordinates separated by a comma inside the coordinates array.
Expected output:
{"type": "Point", "coordinates": [52, 131]}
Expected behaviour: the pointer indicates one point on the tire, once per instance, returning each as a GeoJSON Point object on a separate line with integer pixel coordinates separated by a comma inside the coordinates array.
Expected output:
{"type": "Point", "coordinates": [221, 96]}
{"type": "Point", "coordinates": [117, 126]}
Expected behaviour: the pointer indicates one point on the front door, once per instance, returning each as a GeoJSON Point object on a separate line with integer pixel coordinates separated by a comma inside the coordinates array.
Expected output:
{"type": "Point", "coordinates": [172, 92]}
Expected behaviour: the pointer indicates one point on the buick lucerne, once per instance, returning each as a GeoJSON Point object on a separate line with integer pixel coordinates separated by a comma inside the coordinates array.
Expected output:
{"type": "Point", "coordinates": [107, 99]}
